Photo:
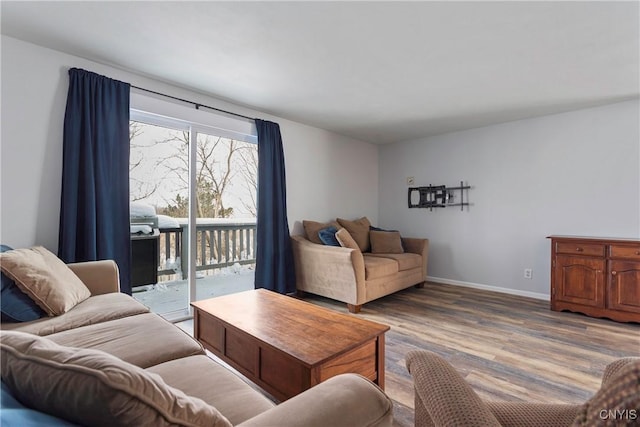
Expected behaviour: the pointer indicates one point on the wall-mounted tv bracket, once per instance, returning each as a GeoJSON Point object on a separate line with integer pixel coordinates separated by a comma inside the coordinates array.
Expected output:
{"type": "Point", "coordinates": [436, 196]}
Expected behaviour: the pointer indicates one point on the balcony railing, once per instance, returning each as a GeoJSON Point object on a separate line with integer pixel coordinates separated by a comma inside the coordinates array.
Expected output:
{"type": "Point", "coordinates": [221, 242]}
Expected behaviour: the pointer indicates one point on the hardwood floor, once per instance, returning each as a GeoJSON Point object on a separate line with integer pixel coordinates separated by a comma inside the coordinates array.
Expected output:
{"type": "Point", "coordinates": [507, 347]}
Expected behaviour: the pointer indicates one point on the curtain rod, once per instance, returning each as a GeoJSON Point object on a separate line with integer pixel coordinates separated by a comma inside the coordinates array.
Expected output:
{"type": "Point", "coordinates": [195, 104]}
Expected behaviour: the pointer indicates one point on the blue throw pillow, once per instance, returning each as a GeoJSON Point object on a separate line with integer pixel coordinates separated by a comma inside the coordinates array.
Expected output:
{"type": "Point", "coordinates": [328, 236]}
{"type": "Point", "coordinates": [16, 306]}
{"type": "Point", "coordinates": [14, 413]}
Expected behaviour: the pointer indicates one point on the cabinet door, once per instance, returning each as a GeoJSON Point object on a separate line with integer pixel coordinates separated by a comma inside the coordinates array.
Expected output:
{"type": "Point", "coordinates": [579, 280]}
{"type": "Point", "coordinates": [624, 289]}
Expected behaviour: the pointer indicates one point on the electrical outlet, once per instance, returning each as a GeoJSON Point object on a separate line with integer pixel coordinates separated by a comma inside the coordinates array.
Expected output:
{"type": "Point", "coordinates": [410, 180]}
{"type": "Point", "coordinates": [528, 273]}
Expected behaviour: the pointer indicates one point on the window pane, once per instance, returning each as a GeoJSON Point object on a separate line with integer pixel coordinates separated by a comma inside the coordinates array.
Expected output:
{"type": "Point", "coordinates": [226, 172]}
{"type": "Point", "coordinates": [158, 174]}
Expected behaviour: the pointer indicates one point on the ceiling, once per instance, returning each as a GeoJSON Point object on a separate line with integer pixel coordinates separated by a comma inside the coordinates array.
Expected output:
{"type": "Point", "coordinates": [377, 71]}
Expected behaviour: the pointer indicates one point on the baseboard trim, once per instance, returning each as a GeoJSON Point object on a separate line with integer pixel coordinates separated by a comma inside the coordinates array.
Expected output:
{"type": "Point", "coordinates": [536, 295]}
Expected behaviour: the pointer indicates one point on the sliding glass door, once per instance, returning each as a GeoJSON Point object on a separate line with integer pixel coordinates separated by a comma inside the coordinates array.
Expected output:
{"type": "Point", "coordinates": [195, 190]}
{"type": "Point", "coordinates": [225, 214]}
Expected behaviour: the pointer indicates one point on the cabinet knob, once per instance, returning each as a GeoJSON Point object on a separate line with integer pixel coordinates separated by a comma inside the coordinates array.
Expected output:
{"type": "Point", "coordinates": [637, 252]}
{"type": "Point", "coordinates": [578, 249]}
{"type": "Point", "coordinates": [613, 273]}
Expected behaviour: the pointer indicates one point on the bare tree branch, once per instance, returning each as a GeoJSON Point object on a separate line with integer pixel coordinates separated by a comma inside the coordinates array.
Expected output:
{"type": "Point", "coordinates": [218, 161]}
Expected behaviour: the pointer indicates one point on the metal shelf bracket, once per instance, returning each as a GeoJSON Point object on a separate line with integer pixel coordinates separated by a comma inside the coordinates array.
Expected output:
{"type": "Point", "coordinates": [437, 196]}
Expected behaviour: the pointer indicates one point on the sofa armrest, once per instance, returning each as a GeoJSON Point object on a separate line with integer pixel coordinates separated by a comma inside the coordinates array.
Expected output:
{"type": "Point", "coordinates": [443, 396]}
{"type": "Point", "coordinates": [101, 277]}
{"type": "Point", "coordinates": [528, 414]}
{"type": "Point", "coordinates": [330, 271]}
{"type": "Point", "coordinates": [347, 400]}
{"type": "Point", "coordinates": [418, 246]}
{"type": "Point", "coordinates": [613, 368]}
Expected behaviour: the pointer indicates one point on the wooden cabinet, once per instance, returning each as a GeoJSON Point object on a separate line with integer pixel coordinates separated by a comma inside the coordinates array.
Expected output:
{"type": "Point", "coordinates": [596, 276]}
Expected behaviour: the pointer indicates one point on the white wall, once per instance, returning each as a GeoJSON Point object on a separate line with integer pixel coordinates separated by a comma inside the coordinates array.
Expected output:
{"type": "Point", "coordinates": [574, 173]}
{"type": "Point", "coordinates": [328, 175]}
{"type": "Point", "coordinates": [571, 173]}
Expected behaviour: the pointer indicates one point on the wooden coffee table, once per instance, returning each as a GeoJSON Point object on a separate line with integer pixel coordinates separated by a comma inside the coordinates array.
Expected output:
{"type": "Point", "coordinates": [285, 345]}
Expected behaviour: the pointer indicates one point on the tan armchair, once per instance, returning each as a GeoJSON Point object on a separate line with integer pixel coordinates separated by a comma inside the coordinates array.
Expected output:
{"type": "Point", "coordinates": [444, 398]}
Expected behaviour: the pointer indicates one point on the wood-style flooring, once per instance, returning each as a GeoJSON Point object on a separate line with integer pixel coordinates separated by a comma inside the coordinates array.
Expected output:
{"type": "Point", "coordinates": [507, 347]}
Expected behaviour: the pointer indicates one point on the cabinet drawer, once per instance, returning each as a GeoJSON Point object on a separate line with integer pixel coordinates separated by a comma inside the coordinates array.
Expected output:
{"type": "Point", "coordinates": [627, 252]}
{"type": "Point", "coordinates": [589, 249]}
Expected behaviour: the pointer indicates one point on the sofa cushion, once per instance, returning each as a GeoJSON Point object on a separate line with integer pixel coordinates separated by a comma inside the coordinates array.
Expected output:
{"type": "Point", "coordinates": [328, 236]}
{"type": "Point", "coordinates": [234, 398]}
{"type": "Point", "coordinates": [45, 278]}
{"type": "Point", "coordinates": [359, 230]}
{"type": "Point", "coordinates": [375, 267]}
{"type": "Point", "coordinates": [97, 309]}
{"type": "Point", "coordinates": [617, 402]}
{"type": "Point", "coordinates": [372, 228]}
{"type": "Point", "coordinates": [124, 338]}
{"type": "Point", "coordinates": [345, 240]}
{"type": "Point", "coordinates": [406, 261]}
{"type": "Point", "coordinates": [311, 229]}
{"type": "Point", "coordinates": [385, 242]}
{"type": "Point", "coordinates": [91, 387]}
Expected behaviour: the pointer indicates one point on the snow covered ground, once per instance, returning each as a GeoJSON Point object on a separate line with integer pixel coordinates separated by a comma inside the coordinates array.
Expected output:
{"type": "Point", "coordinates": [172, 296]}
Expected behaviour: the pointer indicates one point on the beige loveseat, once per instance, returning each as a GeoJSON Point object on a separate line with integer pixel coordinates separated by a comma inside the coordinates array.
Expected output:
{"type": "Point", "coordinates": [145, 345]}
{"type": "Point", "coordinates": [354, 276]}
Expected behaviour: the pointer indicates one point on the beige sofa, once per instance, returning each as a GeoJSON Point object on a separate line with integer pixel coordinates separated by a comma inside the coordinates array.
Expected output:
{"type": "Point", "coordinates": [118, 325]}
{"type": "Point", "coordinates": [356, 277]}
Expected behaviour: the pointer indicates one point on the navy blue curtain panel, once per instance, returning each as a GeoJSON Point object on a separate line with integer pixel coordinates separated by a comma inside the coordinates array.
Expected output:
{"type": "Point", "coordinates": [94, 210]}
{"type": "Point", "coordinates": [274, 257]}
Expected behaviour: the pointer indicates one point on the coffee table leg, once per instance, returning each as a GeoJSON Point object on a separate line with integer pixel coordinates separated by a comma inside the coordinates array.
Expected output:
{"type": "Point", "coordinates": [380, 358]}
